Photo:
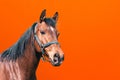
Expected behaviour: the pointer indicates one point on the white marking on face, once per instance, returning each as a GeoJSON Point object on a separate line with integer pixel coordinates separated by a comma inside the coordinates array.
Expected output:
{"type": "Point", "coordinates": [54, 33]}
{"type": "Point", "coordinates": [52, 29]}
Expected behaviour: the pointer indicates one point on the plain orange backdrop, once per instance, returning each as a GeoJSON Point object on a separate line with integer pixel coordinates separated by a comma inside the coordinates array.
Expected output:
{"type": "Point", "coordinates": [90, 35]}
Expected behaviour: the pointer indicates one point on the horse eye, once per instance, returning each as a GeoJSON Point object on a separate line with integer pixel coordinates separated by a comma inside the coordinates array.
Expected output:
{"type": "Point", "coordinates": [42, 32]}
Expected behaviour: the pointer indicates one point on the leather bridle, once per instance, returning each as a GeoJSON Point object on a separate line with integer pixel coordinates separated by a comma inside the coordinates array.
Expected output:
{"type": "Point", "coordinates": [43, 46]}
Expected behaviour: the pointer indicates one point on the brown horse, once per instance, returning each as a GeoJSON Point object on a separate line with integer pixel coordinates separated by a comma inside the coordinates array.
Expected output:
{"type": "Point", "coordinates": [20, 61]}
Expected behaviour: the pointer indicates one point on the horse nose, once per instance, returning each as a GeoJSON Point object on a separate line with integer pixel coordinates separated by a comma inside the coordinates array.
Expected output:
{"type": "Point", "coordinates": [57, 59]}
{"type": "Point", "coordinates": [56, 55]}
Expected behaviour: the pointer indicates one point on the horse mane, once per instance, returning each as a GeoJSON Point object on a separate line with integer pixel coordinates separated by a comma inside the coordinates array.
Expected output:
{"type": "Point", "coordinates": [19, 47]}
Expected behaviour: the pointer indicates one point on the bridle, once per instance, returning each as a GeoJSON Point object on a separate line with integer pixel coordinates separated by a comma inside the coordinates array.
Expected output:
{"type": "Point", "coordinates": [43, 46]}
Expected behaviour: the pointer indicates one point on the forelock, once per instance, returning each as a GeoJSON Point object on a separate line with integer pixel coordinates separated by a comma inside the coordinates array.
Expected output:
{"type": "Point", "coordinates": [50, 22]}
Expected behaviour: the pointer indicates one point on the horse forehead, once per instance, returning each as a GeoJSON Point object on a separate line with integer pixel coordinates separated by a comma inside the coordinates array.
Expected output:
{"type": "Point", "coordinates": [43, 24]}
{"type": "Point", "coordinates": [46, 27]}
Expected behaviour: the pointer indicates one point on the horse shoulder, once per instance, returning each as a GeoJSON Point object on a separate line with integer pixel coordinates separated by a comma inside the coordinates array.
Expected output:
{"type": "Point", "coordinates": [3, 72]}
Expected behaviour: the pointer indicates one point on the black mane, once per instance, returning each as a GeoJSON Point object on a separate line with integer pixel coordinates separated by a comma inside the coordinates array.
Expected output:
{"type": "Point", "coordinates": [18, 49]}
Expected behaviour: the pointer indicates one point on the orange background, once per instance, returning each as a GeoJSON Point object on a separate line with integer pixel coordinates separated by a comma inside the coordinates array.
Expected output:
{"type": "Point", "coordinates": [90, 35]}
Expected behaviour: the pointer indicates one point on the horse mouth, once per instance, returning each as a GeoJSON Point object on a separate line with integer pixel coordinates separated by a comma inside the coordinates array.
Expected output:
{"type": "Point", "coordinates": [56, 64]}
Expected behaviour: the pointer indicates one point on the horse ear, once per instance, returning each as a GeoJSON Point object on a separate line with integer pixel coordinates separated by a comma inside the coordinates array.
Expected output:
{"type": "Point", "coordinates": [55, 17]}
{"type": "Point", "coordinates": [43, 14]}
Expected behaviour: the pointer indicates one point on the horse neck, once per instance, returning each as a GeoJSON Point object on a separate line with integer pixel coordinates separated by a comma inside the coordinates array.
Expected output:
{"type": "Point", "coordinates": [30, 60]}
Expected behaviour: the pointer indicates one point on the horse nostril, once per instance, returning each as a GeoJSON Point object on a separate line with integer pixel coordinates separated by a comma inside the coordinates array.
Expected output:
{"type": "Point", "coordinates": [56, 55]}
{"type": "Point", "coordinates": [56, 58]}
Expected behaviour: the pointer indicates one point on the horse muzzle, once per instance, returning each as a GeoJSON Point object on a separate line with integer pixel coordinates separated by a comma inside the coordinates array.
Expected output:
{"type": "Point", "coordinates": [57, 59]}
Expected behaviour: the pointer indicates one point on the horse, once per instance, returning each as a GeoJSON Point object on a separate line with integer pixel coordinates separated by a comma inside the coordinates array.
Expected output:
{"type": "Point", "coordinates": [40, 41]}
